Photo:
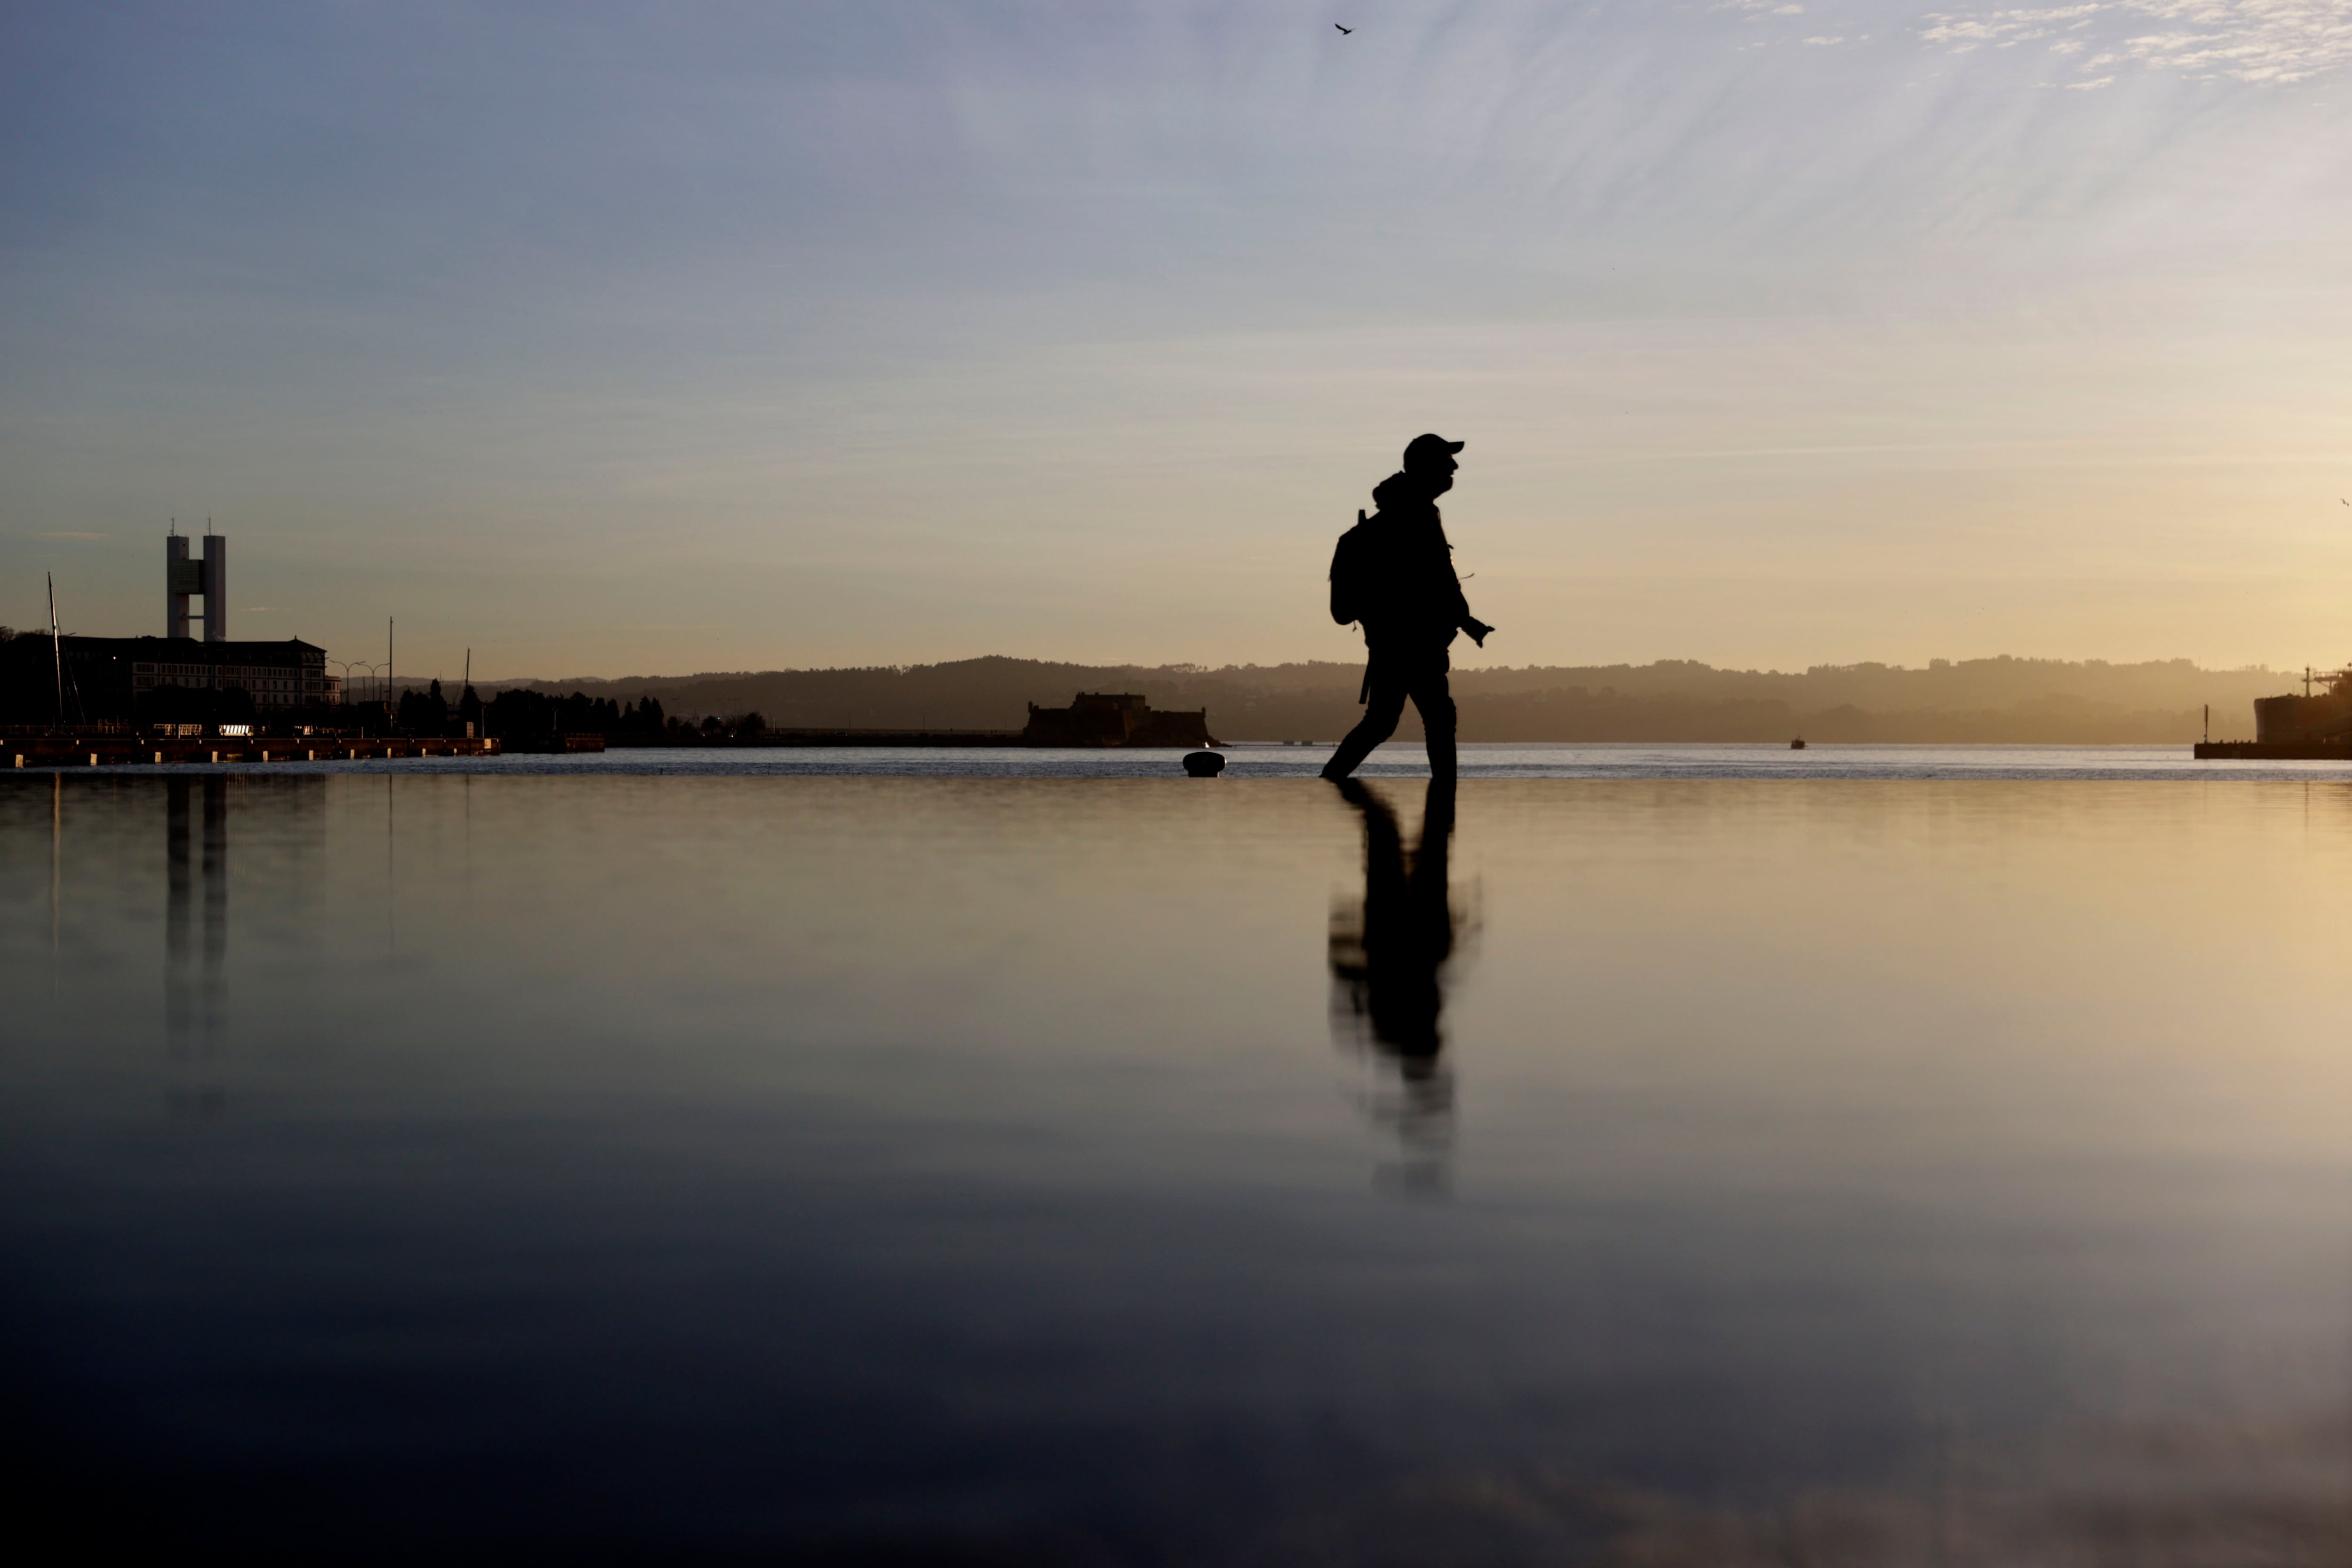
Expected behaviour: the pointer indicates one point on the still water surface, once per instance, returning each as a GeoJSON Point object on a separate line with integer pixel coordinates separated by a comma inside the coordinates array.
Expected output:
{"type": "Point", "coordinates": [1397, 759]}
{"type": "Point", "coordinates": [1149, 1170]}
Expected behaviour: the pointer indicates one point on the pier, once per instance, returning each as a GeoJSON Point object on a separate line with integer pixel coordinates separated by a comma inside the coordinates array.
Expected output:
{"type": "Point", "coordinates": [1092, 720]}
{"type": "Point", "coordinates": [881, 738]}
{"type": "Point", "coordinates": [2332, 750]}
{"type": "Point", "coordinates": [134, 751]}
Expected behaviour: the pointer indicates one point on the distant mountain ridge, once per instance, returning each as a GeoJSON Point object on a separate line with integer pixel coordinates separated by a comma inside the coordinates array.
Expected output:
{"type": "Point", "coordinates": [2002, 700]}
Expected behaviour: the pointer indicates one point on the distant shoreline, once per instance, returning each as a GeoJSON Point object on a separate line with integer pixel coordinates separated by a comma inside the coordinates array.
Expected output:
{"type": "Point", "coordinates": [1992, 701]}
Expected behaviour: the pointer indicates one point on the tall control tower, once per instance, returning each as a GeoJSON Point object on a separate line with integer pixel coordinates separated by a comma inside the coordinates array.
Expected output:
{"type": "Point", "coordinates": [207, 574]}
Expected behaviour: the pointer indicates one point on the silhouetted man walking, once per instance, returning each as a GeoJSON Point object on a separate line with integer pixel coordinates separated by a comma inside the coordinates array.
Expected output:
{"type": "Point", "coordinates": [1394, 573]}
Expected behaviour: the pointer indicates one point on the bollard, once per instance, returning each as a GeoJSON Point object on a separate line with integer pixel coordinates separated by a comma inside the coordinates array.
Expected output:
{"type": "Point", "coordinates": [158, 756]}
{"type": "Point", "coordinates": [93, 759]}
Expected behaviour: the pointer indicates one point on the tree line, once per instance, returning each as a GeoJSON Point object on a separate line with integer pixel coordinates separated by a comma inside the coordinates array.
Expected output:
{"type": "Point", "coordinates": [519, 712]}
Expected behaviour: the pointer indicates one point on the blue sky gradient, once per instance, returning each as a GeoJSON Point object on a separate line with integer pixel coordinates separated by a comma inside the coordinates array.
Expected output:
{"type": "Point", "coordinates": [614, 340]}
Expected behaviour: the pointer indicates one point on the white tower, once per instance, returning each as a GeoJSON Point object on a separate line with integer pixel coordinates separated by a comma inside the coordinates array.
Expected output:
{"type": "Point", "coordinates": [207, 575]}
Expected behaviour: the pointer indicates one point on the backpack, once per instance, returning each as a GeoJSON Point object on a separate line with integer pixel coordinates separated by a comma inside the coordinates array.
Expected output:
{"type": "Point", "coordinates": [1352, 573]}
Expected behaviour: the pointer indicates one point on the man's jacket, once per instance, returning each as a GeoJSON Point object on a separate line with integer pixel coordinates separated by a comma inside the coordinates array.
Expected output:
{"type": "Point", "coordinates": [1410, 593]}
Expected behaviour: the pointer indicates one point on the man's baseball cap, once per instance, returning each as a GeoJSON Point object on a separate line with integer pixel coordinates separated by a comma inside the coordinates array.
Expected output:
{"type": "Point", "coordinates": [1425, 446]}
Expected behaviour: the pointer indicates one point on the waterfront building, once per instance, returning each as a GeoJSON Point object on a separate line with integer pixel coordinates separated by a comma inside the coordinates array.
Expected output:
{"type": "Point", "coordinates": [1115, 719]}
{"type": "Point", "coordinates": [2292, 720]}
{"type": "Point", "coordinates": [111, 675]}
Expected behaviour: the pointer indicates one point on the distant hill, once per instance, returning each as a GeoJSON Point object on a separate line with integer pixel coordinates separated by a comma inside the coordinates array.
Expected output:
{"type": "Point", "coordinates": [2050, 702]}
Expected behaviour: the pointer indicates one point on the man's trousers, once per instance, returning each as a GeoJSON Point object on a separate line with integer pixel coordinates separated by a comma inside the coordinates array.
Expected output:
{"type": "Point", "coordinates": [1393, 676]}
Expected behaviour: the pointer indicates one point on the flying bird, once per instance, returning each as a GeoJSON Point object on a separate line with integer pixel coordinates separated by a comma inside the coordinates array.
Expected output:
{"type": "Point", "coordinates": [1343, 29]}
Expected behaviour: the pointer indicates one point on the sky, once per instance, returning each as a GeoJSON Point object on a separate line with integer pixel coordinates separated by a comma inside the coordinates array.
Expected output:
{"type": "Point", "coordinates": [614, 340]}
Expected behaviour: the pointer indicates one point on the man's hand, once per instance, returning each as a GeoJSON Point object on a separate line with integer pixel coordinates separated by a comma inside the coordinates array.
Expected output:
{"type": "Point", "coordinates": [1477, 630]}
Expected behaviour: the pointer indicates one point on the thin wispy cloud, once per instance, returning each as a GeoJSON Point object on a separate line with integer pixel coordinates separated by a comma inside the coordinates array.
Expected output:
{"type": "Point", "coordinates": [2265, 41]}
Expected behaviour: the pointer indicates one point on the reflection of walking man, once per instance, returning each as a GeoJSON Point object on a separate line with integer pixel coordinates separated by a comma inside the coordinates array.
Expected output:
{"type": "Point", "coordinates": [1390, 957]}
{"type": "Point", "coordinates": [1392, 954]}
{"type": "Point", "coordinates": [1394, 573]}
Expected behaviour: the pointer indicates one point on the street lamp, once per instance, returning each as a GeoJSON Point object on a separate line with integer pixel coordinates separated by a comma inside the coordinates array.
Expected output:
{"type": "Point", "coordinates": [350, 664]}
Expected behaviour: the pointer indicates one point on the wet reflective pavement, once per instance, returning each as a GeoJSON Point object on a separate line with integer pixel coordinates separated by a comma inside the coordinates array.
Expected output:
{"type": "Point", "coordinates": [1158, 1170]}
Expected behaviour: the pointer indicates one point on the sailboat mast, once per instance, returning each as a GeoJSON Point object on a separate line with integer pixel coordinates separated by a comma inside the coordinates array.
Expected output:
{"type": "Point", "coordinates": [57, 648]}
